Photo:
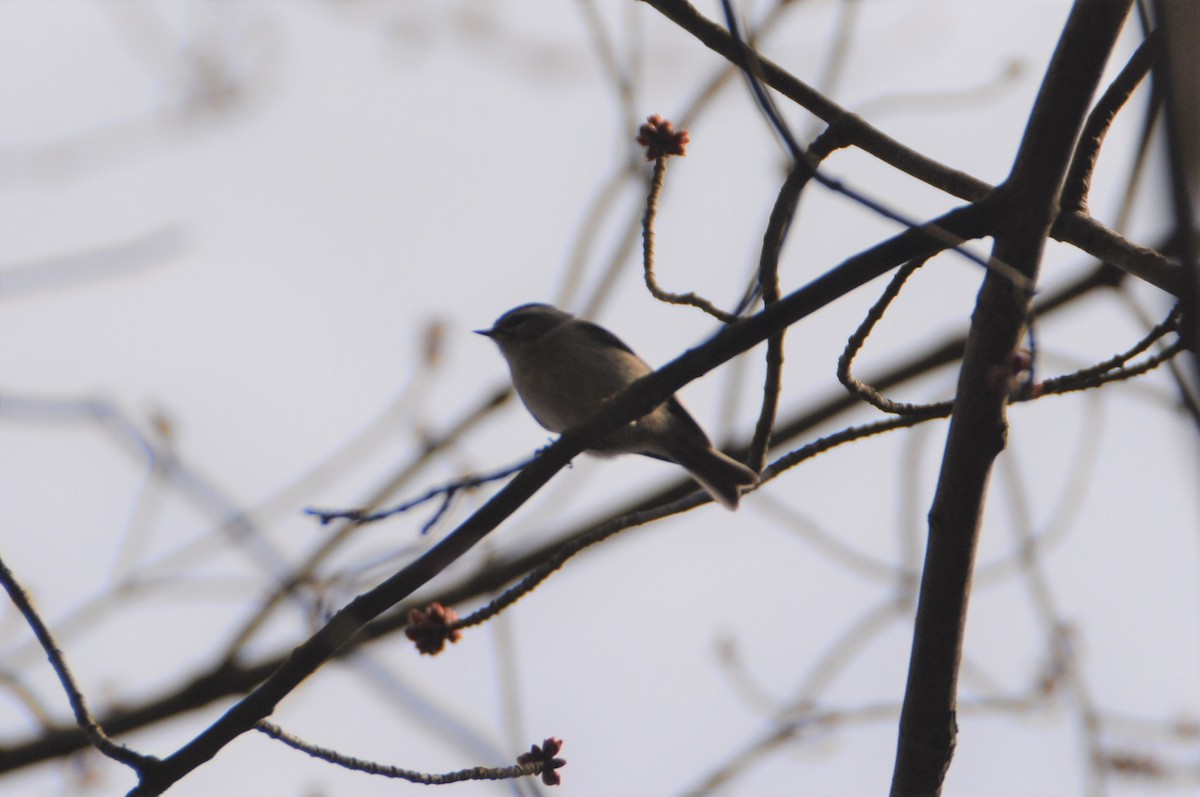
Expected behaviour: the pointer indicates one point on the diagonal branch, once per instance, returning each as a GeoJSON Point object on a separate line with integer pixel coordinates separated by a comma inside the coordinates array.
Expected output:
{"type": "Point", "coordinates": [858, 132]}
{"type": "Point", "coordinates": [231, 677]}
{"type": "Point", "coordinates": [1071, 227]}
{"type": "Point", "coordinates": [640, 398]}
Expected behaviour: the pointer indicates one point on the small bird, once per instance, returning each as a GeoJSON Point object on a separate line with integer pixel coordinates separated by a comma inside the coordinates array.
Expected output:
{"type": "Point", "coordinates": [565, 370]}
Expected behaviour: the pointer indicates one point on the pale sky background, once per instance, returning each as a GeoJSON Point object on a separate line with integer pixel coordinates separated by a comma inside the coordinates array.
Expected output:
{"type": "Point", "coordinates": [257, 259]}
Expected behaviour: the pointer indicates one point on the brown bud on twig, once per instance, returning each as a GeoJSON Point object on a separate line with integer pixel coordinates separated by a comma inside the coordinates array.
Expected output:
{"type": "Point", "coordinates": [661, 139]}
{"type": "Point", "coordinates": [545, 755]}
{"type": "Point", "coordinates": [430, 628]}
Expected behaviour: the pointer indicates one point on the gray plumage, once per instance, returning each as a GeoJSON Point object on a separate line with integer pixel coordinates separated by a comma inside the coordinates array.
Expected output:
{"type": "Point", "coordinates": [565, 370]}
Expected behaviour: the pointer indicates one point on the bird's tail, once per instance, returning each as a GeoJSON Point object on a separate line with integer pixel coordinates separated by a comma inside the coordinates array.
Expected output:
{"type": "Point", "coordinates": [721, 476]}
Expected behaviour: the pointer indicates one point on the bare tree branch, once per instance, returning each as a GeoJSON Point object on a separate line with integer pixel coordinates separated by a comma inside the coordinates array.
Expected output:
{"type": "Point", "coordinates": [978, 427]}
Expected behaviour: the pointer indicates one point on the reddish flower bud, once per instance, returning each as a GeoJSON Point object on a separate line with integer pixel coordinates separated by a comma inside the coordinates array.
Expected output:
{"type": "Point", "coordinates": [430, 628]}
{"type": "Point", "coordinates": [661, 139]}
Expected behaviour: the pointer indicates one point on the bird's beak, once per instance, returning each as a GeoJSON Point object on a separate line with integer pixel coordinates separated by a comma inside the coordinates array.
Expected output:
{"type": "Point", "coordinates": [487, 333]}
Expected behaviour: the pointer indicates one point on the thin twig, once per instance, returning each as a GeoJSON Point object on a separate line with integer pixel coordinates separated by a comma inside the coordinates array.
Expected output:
{"type": "Point", "coordinates": [445, 491]}
{"type": "Point", "coordinates": [690, 298]}
{"type": "Point", "coordinates": [1157, 332]}
{"type": "Point", "coordinates": [1076, 228]}
{"type": "Point", "coordinates": [752, 67]}
{"type": "Point", "coordinates": [1071, 384]}
{"type": "Point", "coordinates": [855, 343]}
{"type": "Point", "coordinates": [1083, 164]}
{"type": "Point", "coordinates": [611, 190]}
{"type": "Point", "coordinates": [387, 771]}
{"type": "Point", "coordinates": [83, 717]}
{"type": "Point", "coordinates": [928, 412]}
{"type": "Point", "coordinates": [696, 498]}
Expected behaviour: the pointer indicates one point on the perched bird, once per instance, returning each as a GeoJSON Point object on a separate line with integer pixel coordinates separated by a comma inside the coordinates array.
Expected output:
{"type": "Point", "coordinates": [566, 369]}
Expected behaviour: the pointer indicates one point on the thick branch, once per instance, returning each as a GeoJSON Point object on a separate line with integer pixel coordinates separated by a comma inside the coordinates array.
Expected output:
{"type": "Point", "coordinates": [978, 427]}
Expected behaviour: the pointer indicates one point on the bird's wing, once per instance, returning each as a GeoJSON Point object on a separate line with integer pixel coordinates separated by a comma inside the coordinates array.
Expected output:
{"type": "Point", "coordinates": [685, 419]}
{"type": "Point", "coordinates": [603, 336]}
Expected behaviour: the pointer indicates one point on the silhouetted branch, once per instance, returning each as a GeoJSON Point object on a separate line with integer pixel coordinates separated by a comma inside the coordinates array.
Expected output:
{"type": "Point", "coordinates": [542, 764]}
{"type": "Point", "coordinates": [83, 717]}
{"type": "Point", "coordinates": [978, 425]}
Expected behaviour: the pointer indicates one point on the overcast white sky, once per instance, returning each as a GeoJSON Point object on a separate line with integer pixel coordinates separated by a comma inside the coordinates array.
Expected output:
{"type": "Point", "coordinates": [253, 250]}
